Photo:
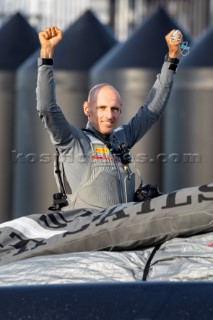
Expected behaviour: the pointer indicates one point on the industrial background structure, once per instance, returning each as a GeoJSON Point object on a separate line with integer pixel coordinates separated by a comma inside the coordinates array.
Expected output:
{"type": "Point", "coordinates": [124, 41]}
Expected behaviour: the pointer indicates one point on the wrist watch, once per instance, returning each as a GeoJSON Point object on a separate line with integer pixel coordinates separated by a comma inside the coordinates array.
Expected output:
{"type": "Point", "coordinates": [45, 61]}
{"type": "Point", "coordinates": [173, 62]}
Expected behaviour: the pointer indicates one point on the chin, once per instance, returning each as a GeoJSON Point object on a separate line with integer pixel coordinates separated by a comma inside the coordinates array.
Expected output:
{"type": "Point", "coordinates": [107, 131]}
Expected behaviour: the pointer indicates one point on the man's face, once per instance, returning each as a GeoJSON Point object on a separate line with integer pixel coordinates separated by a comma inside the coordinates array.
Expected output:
{"type": "Point", "coordinates": [105, 110]}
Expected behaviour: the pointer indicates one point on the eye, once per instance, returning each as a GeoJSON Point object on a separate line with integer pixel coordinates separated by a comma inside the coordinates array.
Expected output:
{"type": "Point", "coordinates": [117, 109]}
{"type": "Point", "coordinates": [101, 107]}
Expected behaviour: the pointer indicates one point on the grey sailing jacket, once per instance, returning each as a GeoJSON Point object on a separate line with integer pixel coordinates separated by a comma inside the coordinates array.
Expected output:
{"type": "Point", "coordinates": [92, 175]}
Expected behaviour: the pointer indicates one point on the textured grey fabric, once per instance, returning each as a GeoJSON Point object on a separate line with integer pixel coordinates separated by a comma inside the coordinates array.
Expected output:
{"type": "Point", "coordinates": [184, 259]}
{"type": "Point", "coordinates": [179, 259]}
{"type": "Point", "coordinates": [75, 268]}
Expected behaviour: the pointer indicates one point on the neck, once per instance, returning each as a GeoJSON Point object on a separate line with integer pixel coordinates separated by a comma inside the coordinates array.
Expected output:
{"type": "Point", "coordinates": [90, 127]}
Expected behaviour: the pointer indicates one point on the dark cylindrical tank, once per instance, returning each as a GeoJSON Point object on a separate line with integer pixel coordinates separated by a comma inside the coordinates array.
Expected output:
{"type": "Point", "coordinates": [84, 42]}
{"type": "Point", "coordinates": [17, 42]}
{"type": "Point", "coordinates": [188, 126]}
{"type": "Point", "coordinates": [132, 68]}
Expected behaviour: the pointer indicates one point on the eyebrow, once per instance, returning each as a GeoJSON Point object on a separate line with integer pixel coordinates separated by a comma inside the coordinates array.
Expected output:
{"type": "Point", "coordinates": [100, 106]}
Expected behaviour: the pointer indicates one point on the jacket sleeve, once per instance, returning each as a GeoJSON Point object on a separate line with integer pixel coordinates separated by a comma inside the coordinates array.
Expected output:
{"type": "Point", "coordinates": [153, 107]}
{"type": "Point", "coordinates": [61, 132]}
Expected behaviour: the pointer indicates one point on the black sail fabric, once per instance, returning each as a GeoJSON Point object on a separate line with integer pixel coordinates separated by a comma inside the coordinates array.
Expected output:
{"type": "Point", "coordinates": [118, 228]}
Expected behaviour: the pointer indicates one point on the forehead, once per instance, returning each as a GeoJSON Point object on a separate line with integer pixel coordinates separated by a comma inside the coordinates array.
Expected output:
{"type": "Point", "coordinates": [107, 94]}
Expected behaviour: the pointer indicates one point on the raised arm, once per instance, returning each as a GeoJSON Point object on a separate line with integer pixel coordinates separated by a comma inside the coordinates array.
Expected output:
{"type": "Point", "coordinates": [160, 92]}
{"type": "Point", "coordinates": [157, 98]}
{"type": "Point", "coordinates": [60, 130]}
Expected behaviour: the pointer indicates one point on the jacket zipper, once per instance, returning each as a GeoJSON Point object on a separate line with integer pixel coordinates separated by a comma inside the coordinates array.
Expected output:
{"type": "Point", "coordinates": [121, 196]}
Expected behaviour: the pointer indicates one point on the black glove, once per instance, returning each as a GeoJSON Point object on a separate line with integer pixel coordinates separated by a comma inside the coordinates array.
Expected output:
{"type": "Point", "coordinates": [146, 192]}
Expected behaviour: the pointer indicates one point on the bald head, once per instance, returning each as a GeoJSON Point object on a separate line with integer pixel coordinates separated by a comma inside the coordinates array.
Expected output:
{"type": "Point", "coordinates": [94, 92]}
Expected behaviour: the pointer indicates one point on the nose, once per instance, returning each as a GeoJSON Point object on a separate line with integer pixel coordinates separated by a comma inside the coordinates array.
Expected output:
{"type": "Point", "coordinates": [108, 113]}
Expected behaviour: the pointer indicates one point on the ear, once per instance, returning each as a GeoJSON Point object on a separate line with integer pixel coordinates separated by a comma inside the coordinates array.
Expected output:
{"type": "Point", "coordinates": [86, 108]}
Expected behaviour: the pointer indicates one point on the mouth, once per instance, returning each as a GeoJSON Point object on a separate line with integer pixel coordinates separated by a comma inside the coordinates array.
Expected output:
{"type": "Point", "coordinates": [108, 123]}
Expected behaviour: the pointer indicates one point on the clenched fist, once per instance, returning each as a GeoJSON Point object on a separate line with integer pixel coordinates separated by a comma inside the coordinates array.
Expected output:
{"type": "Point", "coordinates": [49, 38]}
{"type": "Point", "coordinates": [174, 46]}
